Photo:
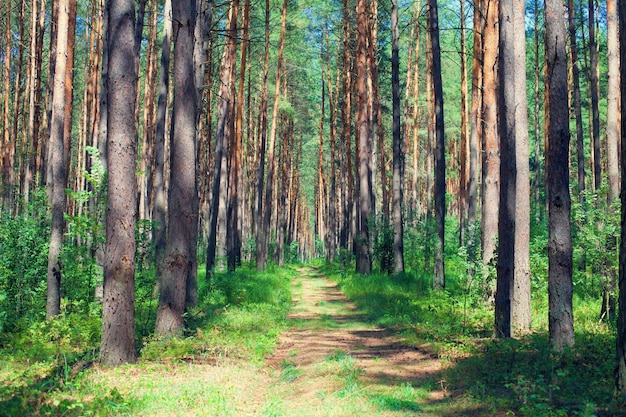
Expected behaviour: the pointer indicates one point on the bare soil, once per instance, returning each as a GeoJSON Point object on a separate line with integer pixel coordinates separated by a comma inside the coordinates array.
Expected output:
{"type": "Point", "coordinates": [327, 325]}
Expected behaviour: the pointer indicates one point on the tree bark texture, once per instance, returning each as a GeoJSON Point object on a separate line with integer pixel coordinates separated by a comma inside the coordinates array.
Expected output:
{"type": "Point", "coordinates": [512, 300]}
{"type": "Point", "coordinates": [159, 220]}
{"type": "Point", "coordinates": [440, 156]}
{"type": "Point", "coordinates": [620, 373]}
{"type": "Point", "coordinates": [491, 147]}
{"type": "Point", "coordinates": [182, 216]}
{"type": "Point", "coordinates": [363, 261]}
{"type": "Point", "coordinates": [465, 144]}
{"type": "Point", "coordinates": [58, 179]}
{"type": "Point", "coordinates": [398, 151]}
{"type": "Point", "coordinates": [259, 236]}
{"type": "Point", "coordinates": [580, 147]}
{"type": "Point", "coordinates": [594, 91]}
{"type": "Point", "coordinates": [612, 112]}
{"type": "Point", "coordinates": [262, 252]}
{"type": "Point", "coordinates": [118, 309]}
{"type": "Point", "coordinates": [476, 130]}
{"type": "Point", "coordinates": [220, 180]}
{"type": "Point", "coordinates": [560, 288]}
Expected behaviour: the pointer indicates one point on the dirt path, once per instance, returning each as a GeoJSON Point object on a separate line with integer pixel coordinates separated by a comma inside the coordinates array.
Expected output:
{"type": "Point", "coordinates": [331, 362]}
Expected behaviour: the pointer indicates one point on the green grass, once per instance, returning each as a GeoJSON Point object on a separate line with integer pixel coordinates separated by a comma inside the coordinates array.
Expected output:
{"type": "Point", "coordinates": [51, 368]}
{"type": "Point", "coordinates": [522, 376]}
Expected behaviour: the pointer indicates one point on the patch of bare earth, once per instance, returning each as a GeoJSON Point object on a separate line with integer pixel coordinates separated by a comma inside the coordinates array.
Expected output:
{"type": "Point", "coordinates": [327, 326]}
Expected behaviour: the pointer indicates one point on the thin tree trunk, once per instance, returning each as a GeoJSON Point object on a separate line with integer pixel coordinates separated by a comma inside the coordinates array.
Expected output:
{"type": "Point", "coordinates": [159, 211]}
{"type": "Point", "coordinates": [428, 155]}
{"type": "Point", "coordinates": [465, 145]}
{"type": "Point", "coordinates": [537, 97]}
{"type": "Point", "coordinates": [612, 114]}
{"type": "Point", "coordinates": [269, 186]}
{"type": "Point", "coordinates": [18, 112]}
{"type": "Point", "coordinates": [58, 179]}
{"type": "Point", "coordinates": [595, 98]}
{"type": "Point", "coordinates": [476, 130]}
{"type": "Point", "coordinates": [332, 207]}
{"type": "Point", "coordinates": [320, 203]}
{"type": "Point", "coordinates": [491, 149]}
{"type": "Point", "coordinates": [346, 133]}
{"type": "Point", "coordinates": [612, 140]}
{"type": "Point", "coordinates": [364, 261]}
{"type": "Point", "coordinates": [416, 113]}
{"type": "Point", "coordinates": [580, 147]}
{"type": "Point", "coordinates": [149, 117]}
{"type": "Point", "coordinates": [69, 89]}
{"type": "Point", "coordinates": [33, 107]}
{"type": "Point", "coordinates": [224, 106]}
{"type": "Point", "coordinates": [620, 373]}
{"type": "Point", "coordinates": [234, 230]}
{"type": "Point", "coordinates": [6, 137]}
{"type": "Point", "coordinates": [398, 151]}
{"type": "Point", "coordinates": [118, 309]}
{"type": "Point", "coordinates": [521, 306]}
{"type": "Point", "coordinates": [560, 315]}
{"type": "Point", "coordinates": [440, 157]}
{"type": "Point", "coordinates": [261, 257]}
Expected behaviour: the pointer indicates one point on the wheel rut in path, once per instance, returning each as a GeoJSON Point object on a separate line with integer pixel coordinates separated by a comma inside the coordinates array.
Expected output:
{"type": "Point", "coordinates": [325, 328]}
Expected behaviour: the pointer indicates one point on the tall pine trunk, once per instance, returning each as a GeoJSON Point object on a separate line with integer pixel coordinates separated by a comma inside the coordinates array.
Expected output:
{"type": "Point", "coordinates": [476, 131]}
{"type": "Point", "coordinates": [363, 260]}
{"type": "Point", "coordinates": [262, 251]}
{"type": "Point", "coordinates": [182, 199]}
{"type": "Point", "coordinates": [512, 301]}
{"type": "Point", "coordinates": [612, 113]}
{"type": "Point", "coordinates": [580, 147]}
{"type": "Point", "coordinates": [225, 97]}
{"type": "Point", "coordinates": [594, 91]}
{"type": "Point", "coordinates": [465, 145]}
{"type": "Point", "coordinates": [440, 157]}
{"type": "Point", "coordinates": [560, 315]}
{"type": "Point", "coordinates": [261, 257]}
{"type": "Point", "coordinates": [398, 151]}
{"type": "Point", "coordinates": [491, 148]}
{"type": "Point", "coordinates": [620, 373]}
{"type": "Point", "coordinates": [58, 179]}
{"type": "Point", "coordinates": [159, 219]}
{"type": "Point", "coordinates": [118, 307]}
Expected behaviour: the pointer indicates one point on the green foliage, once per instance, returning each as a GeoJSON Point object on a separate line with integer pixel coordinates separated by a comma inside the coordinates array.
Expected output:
{"type": "Point", "coordinates": [522, 377]}
{"type": "Point", "coordinates": [527, 376]}
{"type": "Point", "coordinates": [407, 303]}
{"type": "Point", "coordinates": [50, 390]}
{"type": "Point", "coordinates": [67, 334]}
{"type": "Point", "coordinates": [596, 235]}
{"type": "Point", "coordinates": [240, 315]}
{"type": "Point", "coordinates": [23, 266]}
{"type": "Point", "coordinates": [383, 245]}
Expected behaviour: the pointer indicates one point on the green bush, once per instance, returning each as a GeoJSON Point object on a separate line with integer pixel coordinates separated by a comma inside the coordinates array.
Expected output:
{"type": "Point", "coordinates": [23, 266]}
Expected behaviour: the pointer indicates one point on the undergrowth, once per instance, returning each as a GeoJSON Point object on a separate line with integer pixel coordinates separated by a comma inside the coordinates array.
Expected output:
{"type": "Point", "coordinates": [44, 368]}
{"type": "Point", "coordinates": [523, 376]}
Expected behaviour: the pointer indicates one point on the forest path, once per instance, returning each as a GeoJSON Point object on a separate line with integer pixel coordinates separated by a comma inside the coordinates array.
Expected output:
{"type": "Point", "coordinates": [331, 362]}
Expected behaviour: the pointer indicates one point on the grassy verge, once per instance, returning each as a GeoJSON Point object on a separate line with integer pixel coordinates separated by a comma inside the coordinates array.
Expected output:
{"type": "Point", "coordinates": [51, 368]}
{"type": "Point", "coordinates": [523, 377]}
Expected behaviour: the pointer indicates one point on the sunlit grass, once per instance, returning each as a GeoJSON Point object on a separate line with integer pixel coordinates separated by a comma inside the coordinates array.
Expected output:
{"type": "Point", "coordinates": [523, 376]}
{"type": "Point", "coordinates": [239, 318]}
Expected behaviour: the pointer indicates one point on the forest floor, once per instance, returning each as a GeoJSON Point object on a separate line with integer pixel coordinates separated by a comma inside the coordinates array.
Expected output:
{"type": "Point", "coordinates": [332, 362]}
{"type": "Point", "coordinates": [329, 361]}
